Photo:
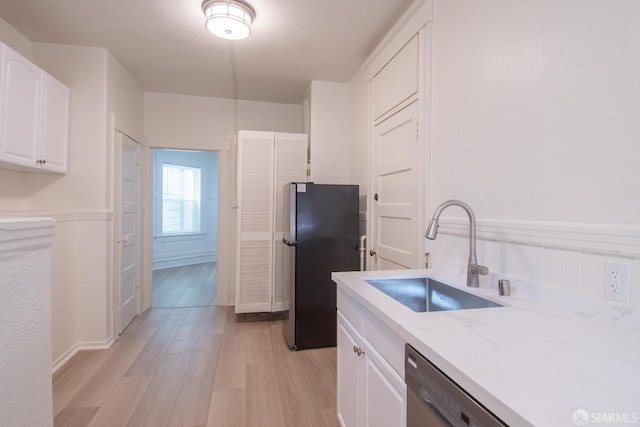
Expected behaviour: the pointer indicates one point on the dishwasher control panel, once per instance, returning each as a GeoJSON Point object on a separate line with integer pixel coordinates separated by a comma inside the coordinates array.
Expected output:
{"type": "Point", "coordinates": [434, 399]}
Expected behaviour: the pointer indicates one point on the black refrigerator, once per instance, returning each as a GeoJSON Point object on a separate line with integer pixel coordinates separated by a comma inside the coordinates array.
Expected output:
{"type": "Point", "coordinates": [321, 236]}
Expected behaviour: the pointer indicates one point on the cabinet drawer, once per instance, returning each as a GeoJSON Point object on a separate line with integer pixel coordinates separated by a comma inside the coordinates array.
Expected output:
{"type": "Point", "coordinates": [350, 309]}
{"type": "Point", "coordinates": [387, 342]}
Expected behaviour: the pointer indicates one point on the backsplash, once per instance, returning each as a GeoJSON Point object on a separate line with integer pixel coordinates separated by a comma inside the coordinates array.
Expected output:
{"type": "Point", "coordinates": [561, 255]}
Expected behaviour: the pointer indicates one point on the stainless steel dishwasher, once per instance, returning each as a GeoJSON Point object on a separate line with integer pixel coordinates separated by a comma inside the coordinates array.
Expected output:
{"type": "Point", "coordinates": [433, 399]}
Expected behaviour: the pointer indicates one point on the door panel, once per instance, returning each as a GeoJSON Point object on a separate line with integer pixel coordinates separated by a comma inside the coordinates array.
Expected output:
{"type": "Point", "coordinates": [349, 377]}
{"type": "Point", "coordinates": [55, 124]}
{"type": "Point", "coordinates": [398, 79]}
{"type": "Point", "coordinates": [384, 393]}
{"type": "Point", "coordinates": [20, 110]}
{"type": "Point", "coordinates": [128, 192]}
{"type": "Point", "coordinates": [395, 221]}
{"type": "Point", "coordinates": [290, 166]}
{"type": "Point", "coordinates": [254, 254]}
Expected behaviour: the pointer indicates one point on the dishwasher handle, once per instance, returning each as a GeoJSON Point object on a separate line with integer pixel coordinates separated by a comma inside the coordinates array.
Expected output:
{"type": "Point", "coordinates": [424, 396]}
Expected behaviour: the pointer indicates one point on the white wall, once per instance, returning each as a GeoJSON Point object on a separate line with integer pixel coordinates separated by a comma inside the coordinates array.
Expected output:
{"type": "Point", "coordinates": [80, 200]}
{"type": "Point", "coordinates": [191, 122]}
{"type": "Point", "coordinates": [538, 110]}
{"type": "Point", "coordinates": [84, 70]}
{"type": "Point", "coordinates": [329, 132]}
{"type": "Point", "coordinates": [80, 273]}
{"type": "Point", "coordinates": [535, 119]}
{"type": "Point", "coordinates": [534, 124]}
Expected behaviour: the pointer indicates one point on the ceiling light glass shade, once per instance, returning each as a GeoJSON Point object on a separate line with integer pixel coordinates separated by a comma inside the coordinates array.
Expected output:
{"type": "Point", "coordinates": [228, 19]}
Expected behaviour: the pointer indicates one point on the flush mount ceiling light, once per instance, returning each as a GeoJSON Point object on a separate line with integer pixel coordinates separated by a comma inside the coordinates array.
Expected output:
{"type": "Point", "coordinates": [229, 19]}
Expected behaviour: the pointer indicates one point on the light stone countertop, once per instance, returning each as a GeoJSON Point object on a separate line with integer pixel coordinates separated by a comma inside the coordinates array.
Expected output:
{"type": "Point", "coordinates": [536, 361]}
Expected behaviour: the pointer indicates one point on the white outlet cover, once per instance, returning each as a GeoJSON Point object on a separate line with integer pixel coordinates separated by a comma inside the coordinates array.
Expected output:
{"type": "Point", "coordinates": [624, 281]}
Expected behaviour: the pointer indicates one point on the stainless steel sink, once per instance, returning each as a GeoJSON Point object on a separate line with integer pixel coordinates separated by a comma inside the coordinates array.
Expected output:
{"type": "Point", "coordinates": [423, 294]}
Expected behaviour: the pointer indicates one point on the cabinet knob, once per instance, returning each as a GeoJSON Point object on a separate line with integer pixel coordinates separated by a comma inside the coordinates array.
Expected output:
{"type": "Point", "coordinates": [375, 197]}
{"type": "Point", "coordinates": [355, 349]}
{"type": "Point", "coordinates": [372, 252]}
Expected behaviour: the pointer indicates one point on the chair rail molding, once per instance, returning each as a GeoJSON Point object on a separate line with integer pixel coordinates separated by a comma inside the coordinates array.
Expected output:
{"type": "Point", "coordinates": [619, 240]}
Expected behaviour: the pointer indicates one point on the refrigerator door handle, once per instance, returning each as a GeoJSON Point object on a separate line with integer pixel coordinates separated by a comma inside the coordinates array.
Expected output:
{"type": "Point", "coordinates": [288, 243]}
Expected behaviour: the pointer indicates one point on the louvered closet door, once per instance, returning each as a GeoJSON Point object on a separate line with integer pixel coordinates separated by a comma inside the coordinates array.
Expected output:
{"type": "Point", "coordinates": [254, 261]}
{"type": "Point", "coordinates": [291, 166]}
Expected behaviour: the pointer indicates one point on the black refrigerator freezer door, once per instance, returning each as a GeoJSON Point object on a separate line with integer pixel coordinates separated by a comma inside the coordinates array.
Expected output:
{"type": "Point", "coordinates": [326, 241]}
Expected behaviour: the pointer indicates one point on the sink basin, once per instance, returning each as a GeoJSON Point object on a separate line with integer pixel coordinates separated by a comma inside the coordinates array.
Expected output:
{"type": "Point", "coordinates": [422, 294]}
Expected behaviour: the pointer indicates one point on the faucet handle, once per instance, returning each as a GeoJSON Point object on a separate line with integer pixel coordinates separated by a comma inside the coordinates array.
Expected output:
{"type": "Point", "coordinates": [479, 269]}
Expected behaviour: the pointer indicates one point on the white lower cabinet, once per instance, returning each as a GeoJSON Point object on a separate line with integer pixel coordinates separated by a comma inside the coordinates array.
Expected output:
{"type": "Point", "coordinates": [370, 392]}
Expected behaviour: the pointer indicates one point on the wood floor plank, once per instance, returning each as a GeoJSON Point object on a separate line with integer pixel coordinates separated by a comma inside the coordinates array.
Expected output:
{"type": "Point", "coordinates": [232, 365]}
{"type": "Point", "coordinates": [159, 399]}
{"type": "Point", "coordinates": [264, 405]}
{"type": "Point", "coordinates": [103, 381]}
{"type": "Point", "coordinates": [120, 404]}
{"type": "Point", "coordinates": [330, 418]}
{"type": "Point", "coordinates": [228, 408]}
{"type": "Point", "coordinates": [193, 400]}
{"type": "Point", "coordinates": [300, 408]}
{"type": "Point", "coordinates": [74, 417]}
{"type": "Point", "coordinates": [231, 372]}
{"type": "Point", "coordinates": [259, 343]}
{"type": "Point", "coordinates": [315, 364]}
{"type": "Point", "coordinates": [75, 375]}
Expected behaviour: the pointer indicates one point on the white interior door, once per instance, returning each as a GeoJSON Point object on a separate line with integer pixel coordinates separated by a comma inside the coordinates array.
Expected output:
{"type": "Point", "coordinates": [128, 196]}
{"type": "Point", "coordinates": [398, 190]}
{"type": "Point", "coordinates": [254, 253]}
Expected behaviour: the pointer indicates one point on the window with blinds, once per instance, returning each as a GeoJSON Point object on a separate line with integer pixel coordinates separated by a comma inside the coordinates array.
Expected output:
{"type": "Point", "coordinates": [181, 199]}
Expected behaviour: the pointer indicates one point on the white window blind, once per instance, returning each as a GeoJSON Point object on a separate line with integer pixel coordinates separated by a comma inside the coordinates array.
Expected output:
{"type": "Point", "coordinates": [181, 199]}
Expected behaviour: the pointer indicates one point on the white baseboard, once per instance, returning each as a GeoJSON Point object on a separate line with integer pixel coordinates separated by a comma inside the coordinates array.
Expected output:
{"type": "Point", "coordinates": [182, 260]}
{"type": "Point", "coordinates": [59, 363]}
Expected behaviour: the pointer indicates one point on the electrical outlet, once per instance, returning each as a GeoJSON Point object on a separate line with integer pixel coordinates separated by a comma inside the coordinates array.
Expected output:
{"type": "Point", "coordinates": [617, 281]}
{"type": "Point", "coordinates": [614, 281]}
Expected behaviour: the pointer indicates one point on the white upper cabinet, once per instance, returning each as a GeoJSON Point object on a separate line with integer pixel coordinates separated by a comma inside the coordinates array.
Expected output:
{"type": "Point", "coordinates": [20, 102]}
{"type": "Point", "coordinates": [34, 116]}
{"type": "Point", "coordinates": [54, 124]}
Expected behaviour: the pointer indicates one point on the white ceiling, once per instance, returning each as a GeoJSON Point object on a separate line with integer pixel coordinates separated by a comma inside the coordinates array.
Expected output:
{"type": "Point", "coordinates": [164, 45]}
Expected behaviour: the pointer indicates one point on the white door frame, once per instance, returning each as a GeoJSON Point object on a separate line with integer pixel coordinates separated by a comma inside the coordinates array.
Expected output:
{"type": "Point", "coordinates": [423, 30]}
{"type": "Point", "coordinates": [224, 213]}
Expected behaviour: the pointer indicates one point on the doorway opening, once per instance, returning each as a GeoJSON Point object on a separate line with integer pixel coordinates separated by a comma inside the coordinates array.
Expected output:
{"type": "Point", "coordinates": [184, 227]}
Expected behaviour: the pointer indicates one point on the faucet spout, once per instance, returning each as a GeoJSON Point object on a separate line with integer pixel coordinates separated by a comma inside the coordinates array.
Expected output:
{"type": "Point", "coordinates": [473, 269]}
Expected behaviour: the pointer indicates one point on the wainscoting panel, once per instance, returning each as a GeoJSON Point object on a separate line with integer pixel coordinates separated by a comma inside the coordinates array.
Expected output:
{"type": "Point", "coordinates": [562, 255]}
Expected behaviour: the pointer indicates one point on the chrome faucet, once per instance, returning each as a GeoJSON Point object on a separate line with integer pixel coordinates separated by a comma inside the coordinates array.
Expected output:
{"type": "Point", "coordinates": [473, 269]}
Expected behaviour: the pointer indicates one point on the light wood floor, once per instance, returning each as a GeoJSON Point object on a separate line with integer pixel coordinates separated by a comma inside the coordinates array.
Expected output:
{"type": "Point", "coordinates": [188, 286]}
{"type": "Point", "coordinates": [193, 367]}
